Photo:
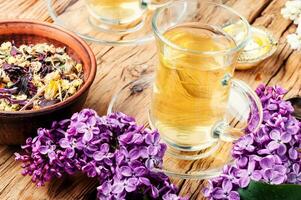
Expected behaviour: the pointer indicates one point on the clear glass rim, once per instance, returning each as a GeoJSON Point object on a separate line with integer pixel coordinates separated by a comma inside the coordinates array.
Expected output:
{"type": "Point", "coordinates": [138, 41]}
{"type": "Point", "coordinates": [175, 46]}
{"type": "Point", "coordinates": [272, 47]}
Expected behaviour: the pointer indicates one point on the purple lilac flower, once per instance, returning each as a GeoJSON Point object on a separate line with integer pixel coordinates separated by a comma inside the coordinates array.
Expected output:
{"type": "Point", "coordinates": [295, 175]}
{"type": "Point", "coordinates": [279, 139]}
{"type": "Point", "coordinates": [244, 145]}
{"type": "Point", "coordinates": [112, 148]}
{"type": "Point", "coordinates": [272, 169]}
{"type": "Point", "coordinates": [271, 155]}
{"type": "Point", "coordinates": [225, 192]}
{"type": "Point", "coordinates": [247, 174]}
{"type": "Point", "coordinates": [109, 191]}
{"type": "Point", "coordinates": [43, 164]}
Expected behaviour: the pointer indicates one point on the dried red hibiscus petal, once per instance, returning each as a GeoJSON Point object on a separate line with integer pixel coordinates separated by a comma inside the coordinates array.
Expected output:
{"type": "Point", "coordinates": [13, 71]}
{"type": "Point", "coordinates": [14, 51]}
{"type": "Point", "coordinates": [12, 101]}
{"type": "Point", "coordinates": [12, 90]}
{"type": "Point", "coordinates": [45, 69]}
{"type": "Point", "coordinates": [45, 103]}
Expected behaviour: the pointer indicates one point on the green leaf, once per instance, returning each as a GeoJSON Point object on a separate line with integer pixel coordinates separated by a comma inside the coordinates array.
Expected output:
{"type": "Point", "coordinates": [263, 191]}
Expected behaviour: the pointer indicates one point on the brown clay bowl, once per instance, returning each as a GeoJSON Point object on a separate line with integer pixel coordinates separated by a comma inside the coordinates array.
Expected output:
{"type": "Point", "coordinates": [15, 127]}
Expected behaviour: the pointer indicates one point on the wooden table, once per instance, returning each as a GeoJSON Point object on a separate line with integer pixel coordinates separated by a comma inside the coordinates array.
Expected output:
{"type": "Point", "coordinates": [119, 65]}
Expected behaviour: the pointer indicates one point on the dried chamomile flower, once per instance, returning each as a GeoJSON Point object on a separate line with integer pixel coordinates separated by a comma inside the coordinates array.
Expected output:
{"type": "Point", "coordinates": [51, 90]}
{"type": "Point", "coordinates": [52, 76]}
{"type": "Point", "coordinates": [6, 46]}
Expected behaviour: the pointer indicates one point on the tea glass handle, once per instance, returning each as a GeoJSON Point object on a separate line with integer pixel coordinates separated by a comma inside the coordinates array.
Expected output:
{"type": "Point", "coordinates": [154, 4]}
{"type": "Point", "coordinates": [225, 132]}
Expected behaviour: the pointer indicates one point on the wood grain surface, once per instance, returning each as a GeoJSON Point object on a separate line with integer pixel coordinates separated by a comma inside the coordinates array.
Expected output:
{"type": "Point", "coordinates": [119, 65]}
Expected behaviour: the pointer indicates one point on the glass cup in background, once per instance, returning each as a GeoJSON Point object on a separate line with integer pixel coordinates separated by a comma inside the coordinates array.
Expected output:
{"type": "Point", "coordinates": [121, 15]}
{"type": "Point", "coordinates": [195, 74]}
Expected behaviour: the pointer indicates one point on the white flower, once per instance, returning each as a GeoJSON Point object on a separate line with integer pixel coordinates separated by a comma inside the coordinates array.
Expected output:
{"type": "Point", "coordinates": [292, 11]}
{"type": "Point", "coordinates": [285, 13]}
{"type": "Point", "coordinates": [294, 41]}
{"type": "Point", "coordinates": [297, 20]}
{"type": "Point", "coordinates": [298, 31]}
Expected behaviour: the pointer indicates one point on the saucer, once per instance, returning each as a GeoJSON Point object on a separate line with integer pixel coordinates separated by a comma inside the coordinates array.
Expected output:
{"type": "Point", "coordinates": [74, 16]}
{"type": "Point", "coordinates": [134, 99]}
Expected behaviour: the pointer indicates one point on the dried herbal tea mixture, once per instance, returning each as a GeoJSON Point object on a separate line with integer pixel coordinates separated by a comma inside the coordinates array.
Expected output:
{"type": "Point", "coordinates": [36, 76]}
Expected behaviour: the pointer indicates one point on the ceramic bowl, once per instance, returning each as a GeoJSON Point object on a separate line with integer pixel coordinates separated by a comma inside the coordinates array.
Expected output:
{"type": "Point", "coordinates": [15, 127]}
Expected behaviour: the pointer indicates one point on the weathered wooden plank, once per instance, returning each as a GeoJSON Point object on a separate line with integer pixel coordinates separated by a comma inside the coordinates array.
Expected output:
{"type": "Point", "coordinates": [119, 65]}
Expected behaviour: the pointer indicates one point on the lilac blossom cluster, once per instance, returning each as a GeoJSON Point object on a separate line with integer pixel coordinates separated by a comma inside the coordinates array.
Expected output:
{"type": "Point", "coordinates": [270, 155]}
{"type": "Point", "coordinates": [120, 154]}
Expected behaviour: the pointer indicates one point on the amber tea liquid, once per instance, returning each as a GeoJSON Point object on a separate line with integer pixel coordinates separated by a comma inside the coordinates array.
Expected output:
{"type": "Point", "coordinates": [191, 89]}
{"type": "Point", "coordinates": [115, 11]}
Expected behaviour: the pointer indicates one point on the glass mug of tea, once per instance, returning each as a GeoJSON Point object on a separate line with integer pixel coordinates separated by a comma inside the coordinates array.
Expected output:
{"type": "Point", "coordinates": [121, 15]}
{"type": "Point", "coordinates": [194, 76]}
